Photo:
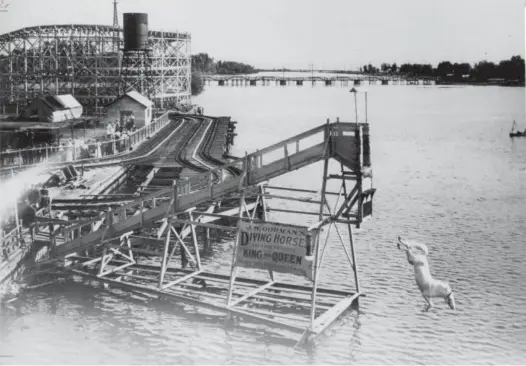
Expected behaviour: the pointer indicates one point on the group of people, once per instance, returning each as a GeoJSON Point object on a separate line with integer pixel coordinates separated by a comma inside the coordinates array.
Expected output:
{"type": "Point", "coordinates": [116, 140]}
{"type": "Point", "coordinates": [120, 132]}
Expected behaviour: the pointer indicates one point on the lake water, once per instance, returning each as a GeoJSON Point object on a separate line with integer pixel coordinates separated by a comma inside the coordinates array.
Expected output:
{"type": "Point", "coordinates": [447, 174]}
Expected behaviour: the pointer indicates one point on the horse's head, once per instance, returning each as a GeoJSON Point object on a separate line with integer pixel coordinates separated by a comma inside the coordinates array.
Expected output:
{"type": "Point", "coordinates": [416, 252]}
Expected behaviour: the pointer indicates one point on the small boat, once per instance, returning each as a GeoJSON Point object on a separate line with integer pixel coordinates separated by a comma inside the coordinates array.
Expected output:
{"type": "Point", "coordinates": [516, 133]}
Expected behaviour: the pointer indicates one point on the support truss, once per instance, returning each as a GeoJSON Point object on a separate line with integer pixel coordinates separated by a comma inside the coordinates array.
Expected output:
{"type": "Point", "coordinates": [82, 60]}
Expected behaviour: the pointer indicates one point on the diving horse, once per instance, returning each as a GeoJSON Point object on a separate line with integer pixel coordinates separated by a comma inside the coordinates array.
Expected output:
{"type": "Point", "coordinates": [429, 287]}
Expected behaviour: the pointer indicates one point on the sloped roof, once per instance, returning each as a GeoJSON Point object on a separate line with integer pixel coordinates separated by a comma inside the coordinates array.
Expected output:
{"type": "Point", "coordinates": [136, 96]}
{"type": "Point", "coordinates": [68, 101]}
{"type": "Point", "coordinates": [60, 102]}
{"type": "Point", "coordinates": [139, 98]}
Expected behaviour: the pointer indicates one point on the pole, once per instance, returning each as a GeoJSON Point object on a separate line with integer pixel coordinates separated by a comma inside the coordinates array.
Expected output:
{"type": "Point", "coordinates": [355, 108]}
{"type": "Point", "coordinates": [316, 250]}
{"type": "Point", "coordinates": [366, 121]}
{"type": "Point", "coordinates": [16, 210]}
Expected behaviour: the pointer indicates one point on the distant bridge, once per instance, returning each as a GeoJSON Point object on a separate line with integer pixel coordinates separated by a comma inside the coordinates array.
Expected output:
{"type": "Point", "coordinates": [329, 80]}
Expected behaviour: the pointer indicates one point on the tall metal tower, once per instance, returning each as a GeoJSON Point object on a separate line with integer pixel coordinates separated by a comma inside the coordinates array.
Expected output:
{"type": "Point", "coordinates": [115, 27]}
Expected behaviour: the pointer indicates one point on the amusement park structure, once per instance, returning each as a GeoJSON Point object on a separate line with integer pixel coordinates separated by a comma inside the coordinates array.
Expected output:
{"type": "Point", "coordinates": [83, 60]}
{"type": "Point", "coordinates": [136, 243]}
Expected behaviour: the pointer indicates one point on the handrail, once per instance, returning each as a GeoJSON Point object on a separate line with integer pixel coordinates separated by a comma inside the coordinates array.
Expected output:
{"type": "Point", "coordinates": [33, 156]}
{"type": "Point", "coordinates": [160, 203]}
{"type": "Point", "coordinates": [185, 187]}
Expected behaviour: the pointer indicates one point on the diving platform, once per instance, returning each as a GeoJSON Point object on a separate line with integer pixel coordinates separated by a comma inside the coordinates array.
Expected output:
{"type": "Point", "coordinates": [162, 226]}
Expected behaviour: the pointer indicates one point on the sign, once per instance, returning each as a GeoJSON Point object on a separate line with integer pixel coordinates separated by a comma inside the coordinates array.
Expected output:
{"type": "Point", "coordinates": [275, 247]}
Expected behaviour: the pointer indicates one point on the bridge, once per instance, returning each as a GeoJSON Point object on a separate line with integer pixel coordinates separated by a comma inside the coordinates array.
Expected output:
{"type": "Point", "coordinates": [329, 80]}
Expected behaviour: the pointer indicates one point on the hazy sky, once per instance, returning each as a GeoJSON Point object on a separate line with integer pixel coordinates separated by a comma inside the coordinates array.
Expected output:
{"type": "Point", "coordinates": [296, 33]}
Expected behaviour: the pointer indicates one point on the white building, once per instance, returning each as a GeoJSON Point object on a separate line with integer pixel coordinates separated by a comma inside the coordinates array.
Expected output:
{"type": "Point", "coordinates": [54, 108]}
{"type": "Point", "coordinates": [131, 104]}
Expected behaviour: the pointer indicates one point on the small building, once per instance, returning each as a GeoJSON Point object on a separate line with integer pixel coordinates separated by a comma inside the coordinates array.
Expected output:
{"type": "Point", "coordinates": [131, 105]}
{"type": "Point", "coordinates": [54, 108]}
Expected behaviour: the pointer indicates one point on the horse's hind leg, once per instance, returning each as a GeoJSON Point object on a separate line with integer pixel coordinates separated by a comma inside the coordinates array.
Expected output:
{"type": "Point", "coordinates": [429, 302]}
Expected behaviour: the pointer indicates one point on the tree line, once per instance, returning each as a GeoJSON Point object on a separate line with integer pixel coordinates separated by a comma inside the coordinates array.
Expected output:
{"type": "Point", "coordinates": [511, 70]}
{"type": "Point", "coordinates": [202, 63]}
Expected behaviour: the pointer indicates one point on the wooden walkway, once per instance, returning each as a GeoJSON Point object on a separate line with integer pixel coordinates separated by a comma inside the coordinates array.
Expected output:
{"type": "Point", "coordinates": [191, 195]}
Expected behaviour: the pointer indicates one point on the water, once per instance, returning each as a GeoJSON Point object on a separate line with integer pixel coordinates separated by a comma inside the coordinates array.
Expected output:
{"type": "Point", "coordinates": [447, 174]}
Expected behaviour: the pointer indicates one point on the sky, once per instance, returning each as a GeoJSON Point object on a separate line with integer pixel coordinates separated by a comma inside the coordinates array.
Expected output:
{"type": "Point", "coordinates": [330, 34]}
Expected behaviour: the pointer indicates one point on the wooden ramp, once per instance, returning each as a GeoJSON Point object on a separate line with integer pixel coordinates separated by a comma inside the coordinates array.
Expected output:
{"type": "Point", "coordinates": [328, 140]}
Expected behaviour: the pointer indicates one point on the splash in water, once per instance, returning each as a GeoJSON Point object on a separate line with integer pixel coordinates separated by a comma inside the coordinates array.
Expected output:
{"type": "Point", "coordinates": [11, 189]}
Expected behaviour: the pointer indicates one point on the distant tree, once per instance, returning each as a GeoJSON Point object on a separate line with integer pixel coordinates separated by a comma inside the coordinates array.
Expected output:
{"type": "Point", "coordinates": [444, 68]}
{"type": "Point", "coordinates": [509, 70]}
{"type": "Point", "coordinates": [512, 69]}
{"type": "Point", "coordinates": [484, 70]}
{"type": "Point", "coordinates": [202, 62]}
{"type": "Point", "coordinates": [197, 85]}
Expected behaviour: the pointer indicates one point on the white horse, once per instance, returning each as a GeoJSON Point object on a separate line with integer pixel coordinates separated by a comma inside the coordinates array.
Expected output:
{"type": "Point", "coordinates": [429, 287]}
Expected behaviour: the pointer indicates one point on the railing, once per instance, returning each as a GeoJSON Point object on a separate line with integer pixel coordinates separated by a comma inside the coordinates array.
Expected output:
{"type": "Point", "coordinates": [81, 153]}
{"type": "Point", "coordinates": [9, 242]}
{"type": "Point", "coordinates": [272, 161]}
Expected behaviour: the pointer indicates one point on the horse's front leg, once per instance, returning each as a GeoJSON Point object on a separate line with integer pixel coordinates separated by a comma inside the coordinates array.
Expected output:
{"type": "Point", "coordinates": [429, 302]}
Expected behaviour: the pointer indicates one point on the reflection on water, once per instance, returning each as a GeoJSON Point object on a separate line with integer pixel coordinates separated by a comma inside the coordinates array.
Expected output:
{"type": "Point", "coordinates": [447, 174]}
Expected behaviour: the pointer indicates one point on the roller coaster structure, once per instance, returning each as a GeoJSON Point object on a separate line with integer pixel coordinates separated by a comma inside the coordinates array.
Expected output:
{"type": "Point", "coordinates": [82, 60]}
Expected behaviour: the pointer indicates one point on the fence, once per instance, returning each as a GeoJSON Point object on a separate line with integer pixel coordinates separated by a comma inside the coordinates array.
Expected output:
{"type": "Point", "coordinates": [9, 243]}
{"type": "Point", "coordinates": [78, 152]}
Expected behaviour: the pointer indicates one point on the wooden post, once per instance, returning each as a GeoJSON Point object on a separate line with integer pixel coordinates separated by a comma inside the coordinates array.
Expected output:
{"type": "Point", "coordinates": [263, 202]}
{"type": "Point", "coordinates": [165, 254]}
{"type": "Point", "coordinates": [355, 107]}
{"type": "Point", "coordinates": [317, 241]}
{"type": "Point", "coordinates": [175, 197]}
{"type": "Point", "coordinates": [194, 240]}
{"type": "Point", "coordinates": [207, 243]}
{"type": "Point", "coordinates": [366, 121]}
{"type": "Point", "coordinates": [351, 239]}
{"type": "Point", "coordinates": [210, 176]}
{"type": "Point", "coordinates": [141, 207]}
{"type": "Point", "coordinates": [287, 162]}
{"type": "Point", "coordinates": [238, 232]}
{"type": "Point", "coordinates": [17, 222]}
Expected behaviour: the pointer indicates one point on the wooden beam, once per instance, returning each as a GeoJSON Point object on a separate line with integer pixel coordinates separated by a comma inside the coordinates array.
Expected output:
{"type": "Point", "coordinates": [277, 316]}
{"type": "Point", "coordinates": [211, 226]}
{"type": "Point", "coordinates": [304, 200]}
{"type": "Point", "coordinates": [302, 190]}
{"type": "Point", "coordinates": [297, 212]}
{"type": "Point", "coordinates": [250, 294]}
{"type": "Point", "coordinates": [327, 318]}
{"type": "Point", "coordinates": [180, 280]}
